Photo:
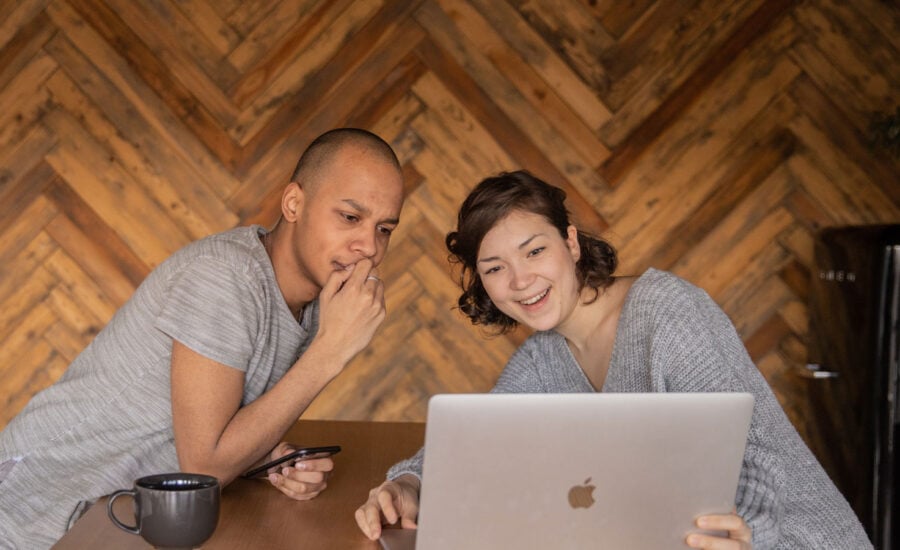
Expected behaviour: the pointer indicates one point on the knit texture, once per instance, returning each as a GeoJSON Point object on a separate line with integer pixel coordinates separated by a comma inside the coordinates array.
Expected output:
{"type": "Point", "coordinates": [672, 337]}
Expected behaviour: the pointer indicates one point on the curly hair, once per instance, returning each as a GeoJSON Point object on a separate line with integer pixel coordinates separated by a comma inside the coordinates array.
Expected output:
{"type": "Point", "coordinates": [491, 201]}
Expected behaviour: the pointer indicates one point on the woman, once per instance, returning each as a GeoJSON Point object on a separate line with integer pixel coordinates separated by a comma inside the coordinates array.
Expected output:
{"type": "Point", "coordinates": [523, 262]}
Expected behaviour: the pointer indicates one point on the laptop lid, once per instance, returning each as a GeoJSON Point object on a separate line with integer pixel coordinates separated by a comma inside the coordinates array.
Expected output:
{"type": "Point", "coordinates": [578, 470]}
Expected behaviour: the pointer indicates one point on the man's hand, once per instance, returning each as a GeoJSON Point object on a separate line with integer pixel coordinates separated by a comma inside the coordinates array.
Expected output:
{"type": "Point", "coordinates": [351, 307]}
{"type": "Point", "coordinates": [305, 479]}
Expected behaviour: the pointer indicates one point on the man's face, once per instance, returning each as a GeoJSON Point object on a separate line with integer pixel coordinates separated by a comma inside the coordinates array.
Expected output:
{"type": "Point", "coordinates": [347, 214]}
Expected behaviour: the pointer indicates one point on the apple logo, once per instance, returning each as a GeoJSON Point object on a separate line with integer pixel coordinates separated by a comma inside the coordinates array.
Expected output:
{"type": "Point", "coordinates": [582, 496]}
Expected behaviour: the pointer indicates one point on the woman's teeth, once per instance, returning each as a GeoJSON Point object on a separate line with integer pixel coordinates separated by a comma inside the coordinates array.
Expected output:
{"type": "Point", "coordinates": [535, 299]}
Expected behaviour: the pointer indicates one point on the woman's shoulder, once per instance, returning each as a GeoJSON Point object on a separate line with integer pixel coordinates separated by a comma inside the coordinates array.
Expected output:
{"type": "Point", "coordinates": [655, 285]}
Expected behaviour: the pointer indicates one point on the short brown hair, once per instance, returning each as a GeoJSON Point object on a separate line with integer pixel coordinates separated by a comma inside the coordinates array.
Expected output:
{"type": "Point", "coordinates": [492, 200]}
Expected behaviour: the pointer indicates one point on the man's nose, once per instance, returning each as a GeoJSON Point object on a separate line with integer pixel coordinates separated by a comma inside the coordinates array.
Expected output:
{"type": "Point", "coordinates": [364, 244]}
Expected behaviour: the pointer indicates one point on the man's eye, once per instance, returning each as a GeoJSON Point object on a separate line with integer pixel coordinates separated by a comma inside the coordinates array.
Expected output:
{"type": "Point", "coordinates": [350, 217]}
{"type": "Point", "coordinates": [386, 230]}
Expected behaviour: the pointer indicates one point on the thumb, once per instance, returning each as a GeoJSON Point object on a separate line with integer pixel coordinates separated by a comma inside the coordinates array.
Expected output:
{"type": "Point", "coordinates": [408, 523]}
{"type": "Point", "coordinates": [336, 280]}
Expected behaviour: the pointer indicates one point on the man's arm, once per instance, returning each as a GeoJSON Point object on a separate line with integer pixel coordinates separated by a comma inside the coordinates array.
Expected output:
{"type": "Point", "coordinates": [215, 435]}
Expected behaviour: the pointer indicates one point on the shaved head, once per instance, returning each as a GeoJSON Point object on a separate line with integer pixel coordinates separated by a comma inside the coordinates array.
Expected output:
{"type": "Point", "coordinates": [322, 151]}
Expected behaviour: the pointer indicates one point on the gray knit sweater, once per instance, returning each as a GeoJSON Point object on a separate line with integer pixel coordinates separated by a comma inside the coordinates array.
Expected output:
{"type": "Point", "coordinates": [672, 337]}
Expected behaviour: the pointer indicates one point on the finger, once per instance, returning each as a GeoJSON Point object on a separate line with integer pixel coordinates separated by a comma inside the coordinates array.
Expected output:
{"type": "Point", "coordinates": [300, 476]}
{"type": "Point", "coordinates": [368, 521]}
{"type": "Point", "coordinates": [735, 525]}
{"type": "Point", "coordinates": [336, 280]}
{"type": "Point", "coordinates": [281, 449]}
{"type": "Point", "coordinates": [408, 523]}
{"type": "Point", "coordinates": [315, 465]}
{"type": "Point", "coordinates": [709, 542]}
{"type": "Point", "coordinates": [361, 271]}
{"type": "Point", "coordinates": [385, 500]}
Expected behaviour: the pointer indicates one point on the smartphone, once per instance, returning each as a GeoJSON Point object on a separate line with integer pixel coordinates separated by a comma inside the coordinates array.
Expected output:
{"type": "Point", "coordinates": [306, 453]}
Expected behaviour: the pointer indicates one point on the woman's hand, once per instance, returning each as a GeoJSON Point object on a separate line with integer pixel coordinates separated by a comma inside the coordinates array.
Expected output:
{"type": "Point", "coordinates": [305, 479]}
{"type": "Point", "coordinates": [739, 533]}
{"type": "Point", "coordinates": [389, 502]}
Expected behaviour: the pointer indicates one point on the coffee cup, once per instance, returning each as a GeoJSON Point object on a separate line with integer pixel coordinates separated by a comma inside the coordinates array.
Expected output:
{"type": "Point", "coordinates": [176, 510]}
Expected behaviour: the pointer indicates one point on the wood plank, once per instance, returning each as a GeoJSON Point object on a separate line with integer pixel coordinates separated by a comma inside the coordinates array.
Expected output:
{"type": "Point", "coordinates": [23, 106]}
{"type": "Point", "coordinates": [211, 24]}
{"type": "Point", "coordinates": [507, 23]}
{"type": "Point", "coordinates": [683, 97]}
{"type": "Point", "coordinates": [617, 17]}
{"type": "Point", "coordinates": [23, 46]}
{"type": "Point", "coordinates": [97, 178]}
{"type": "Point", "coordinates": [277, 38]}
{"type": "Point", "coordinates": [19, 194]}
{"type": "Point", "coordinates": [126, 100]}
{"type": "Point", "coordinates": [23, 289]}
{"type": "Point", "coordinates": [540, 94]}
{"type": "Point", "coordinates": [529, 122]}
{"type": "Point", "coordinates": [316, 52]}
{"type": "Point", "coordinates": [750, 164]}
{"type": "Point", "coordinates": [78, 284]}
{"type": "Point", "coordinates": [92, 258]}
{"type": "Point", "coordinates": [574, 34]}
{"type": "Point", "coordinates": [19, 15]}
{"type": "Point", "coordinates": [749, 228]}
{"type": "Point", "coordinates": [26, 226]}
{"type": "Point", "coordinates": [88, 222]}
{"type": "Point", "coordinates": [300, 121]}
{"type": "Point", "coordinates": [187, 55]}
{"type": "Point", "coordinates": [526, 154]}
{"type": "Point", "coordinates": [691, 143]}
{"type": "Point", "coordinates": [195, 207]}
{"type": "Point", "coordinates": [36, 369]}
{"type": "Point", "coordinates": [847, 135]}
{"type": "Point", "coordinates": [845, 176]}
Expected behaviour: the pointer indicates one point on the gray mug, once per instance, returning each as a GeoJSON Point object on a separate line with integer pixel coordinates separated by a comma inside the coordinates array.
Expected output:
{"type": "Point", "coordinates": [175, 510]}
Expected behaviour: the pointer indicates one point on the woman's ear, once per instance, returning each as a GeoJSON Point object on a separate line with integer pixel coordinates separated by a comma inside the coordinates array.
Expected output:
{"type": "Point", "coordinates": [572, 242]}
{"type": "Point", "coordinates": [292, 202]}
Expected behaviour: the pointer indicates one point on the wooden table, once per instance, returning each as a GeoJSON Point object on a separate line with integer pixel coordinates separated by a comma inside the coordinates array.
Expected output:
{"type": "Point", "coordinates": [255, 515]}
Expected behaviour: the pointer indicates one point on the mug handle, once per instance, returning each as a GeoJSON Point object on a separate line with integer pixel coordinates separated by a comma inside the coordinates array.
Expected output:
{"type": "Point", "coordinates": [112, 515]}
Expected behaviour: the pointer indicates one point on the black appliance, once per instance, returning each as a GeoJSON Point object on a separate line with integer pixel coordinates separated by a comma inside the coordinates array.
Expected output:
{"type": "Point", "coordinates": [854, 307]}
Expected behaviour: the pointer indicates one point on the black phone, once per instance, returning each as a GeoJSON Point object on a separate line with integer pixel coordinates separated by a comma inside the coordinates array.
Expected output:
{"type": "Point", "coordinates": [305, 453]}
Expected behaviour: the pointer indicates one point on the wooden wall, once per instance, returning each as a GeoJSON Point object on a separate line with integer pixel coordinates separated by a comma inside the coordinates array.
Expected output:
{"type": "Point", "coordinates": [708, 137]}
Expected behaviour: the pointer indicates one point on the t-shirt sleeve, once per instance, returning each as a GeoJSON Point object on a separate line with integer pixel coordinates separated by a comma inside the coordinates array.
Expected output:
{"type": "Point", "coordinates": [209, 308]}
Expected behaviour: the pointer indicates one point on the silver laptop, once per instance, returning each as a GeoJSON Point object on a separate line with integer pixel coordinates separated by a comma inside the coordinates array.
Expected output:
{"type": "Point", "coordinates": [576, 470]}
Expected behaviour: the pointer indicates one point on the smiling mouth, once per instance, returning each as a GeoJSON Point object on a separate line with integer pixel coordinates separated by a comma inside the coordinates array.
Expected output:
{"type": "Point", "coordinates": [534, 299]}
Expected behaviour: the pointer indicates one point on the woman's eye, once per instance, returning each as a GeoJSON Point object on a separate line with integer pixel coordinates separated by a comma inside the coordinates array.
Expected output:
{"type": "Point", "coordinates": [536, 251]}
{"type": "Point", "coordinates": [490, 270]}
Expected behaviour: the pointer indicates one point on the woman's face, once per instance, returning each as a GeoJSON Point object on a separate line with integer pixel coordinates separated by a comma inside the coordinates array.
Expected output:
{"type": "Point", "coordinates": [528, 270]}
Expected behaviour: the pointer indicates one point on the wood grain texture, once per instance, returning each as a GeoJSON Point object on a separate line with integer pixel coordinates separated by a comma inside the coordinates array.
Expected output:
{"type": "Point", "coordinates": [711, 138]}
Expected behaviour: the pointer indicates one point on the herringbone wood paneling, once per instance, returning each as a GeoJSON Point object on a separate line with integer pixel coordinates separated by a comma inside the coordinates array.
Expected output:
{"type": "Point", "coordinates": [709, 137]}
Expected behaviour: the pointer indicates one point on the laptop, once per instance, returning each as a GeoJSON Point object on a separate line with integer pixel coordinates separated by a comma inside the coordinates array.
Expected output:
{"type": "Point", "coordinates": [575, 470]}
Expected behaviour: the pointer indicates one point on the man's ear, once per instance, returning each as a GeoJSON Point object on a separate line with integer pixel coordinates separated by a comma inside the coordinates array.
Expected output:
{"type": "Point", "coordinates": [292, 202]}
{"type": "Point", "coordinates": [572, 242]}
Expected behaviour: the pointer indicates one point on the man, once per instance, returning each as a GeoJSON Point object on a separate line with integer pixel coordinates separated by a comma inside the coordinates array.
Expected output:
{"type": "Point", "coordinates": [218, 352]}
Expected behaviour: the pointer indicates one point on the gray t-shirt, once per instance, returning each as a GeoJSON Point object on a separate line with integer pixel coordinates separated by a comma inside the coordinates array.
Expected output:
{"type": "Point", "coordinates": [108, 420]}
{"type": "Point", "coordinates": [672, 337]}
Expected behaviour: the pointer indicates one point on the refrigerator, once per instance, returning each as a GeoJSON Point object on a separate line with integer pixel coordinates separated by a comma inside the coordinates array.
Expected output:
{"type": "Point", "coordinates": [854, 301]}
